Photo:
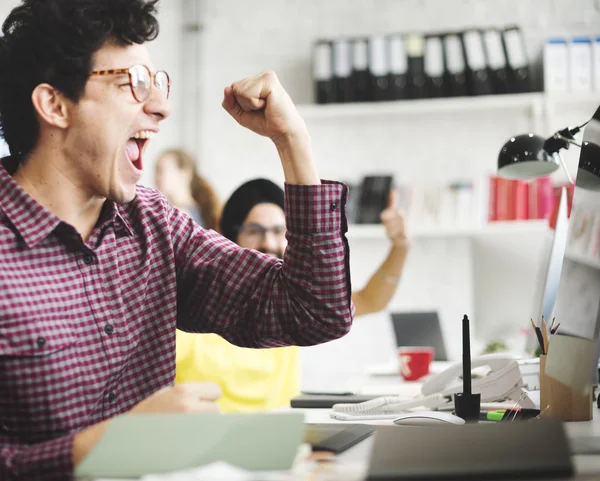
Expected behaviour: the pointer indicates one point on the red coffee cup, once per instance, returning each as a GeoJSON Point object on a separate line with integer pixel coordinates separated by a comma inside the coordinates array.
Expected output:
{"type": "Point", "coordinates": [415, 361]}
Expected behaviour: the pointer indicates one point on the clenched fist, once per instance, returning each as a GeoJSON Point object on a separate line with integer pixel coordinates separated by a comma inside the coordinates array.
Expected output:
{"type": "Point", "coordinates": [262, 105]}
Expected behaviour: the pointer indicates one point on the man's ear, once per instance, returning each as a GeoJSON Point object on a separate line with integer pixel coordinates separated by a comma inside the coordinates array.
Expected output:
{"type": "Point", "coordinates": [51, 105]}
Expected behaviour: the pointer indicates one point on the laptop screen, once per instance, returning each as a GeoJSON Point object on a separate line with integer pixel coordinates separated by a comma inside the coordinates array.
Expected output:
{"type": "Point", "coordinates": [420, 329]}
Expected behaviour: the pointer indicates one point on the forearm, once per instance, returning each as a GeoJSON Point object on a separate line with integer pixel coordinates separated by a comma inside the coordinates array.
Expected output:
{"type": "Point", "coordinates": [47, 461]}
{"type": "Point", "coordinates": [85, 441]}
{"type": "Point", "coordinates": [383, 284]}
{"type": "Point", "coordinates": [297, 160]}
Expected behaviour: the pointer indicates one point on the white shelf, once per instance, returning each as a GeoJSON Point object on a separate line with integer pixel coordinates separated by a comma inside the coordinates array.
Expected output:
{"type": "Point", "coordinates": [421, 106]}
{"type": "Point", "coordinates": [376, 231]}
{"type": "Point", "coordinates": [583, 259]}
{"type": "Point", "coordinates": [532, 102]}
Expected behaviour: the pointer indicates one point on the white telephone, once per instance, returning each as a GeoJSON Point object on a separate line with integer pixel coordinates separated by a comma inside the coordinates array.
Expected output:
{"type": "Point", "coordinates": [502, 382]}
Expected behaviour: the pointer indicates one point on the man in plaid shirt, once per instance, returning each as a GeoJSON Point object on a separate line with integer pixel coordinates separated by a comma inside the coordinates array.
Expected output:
{"type": "Point", "coordinates": [96, 273]}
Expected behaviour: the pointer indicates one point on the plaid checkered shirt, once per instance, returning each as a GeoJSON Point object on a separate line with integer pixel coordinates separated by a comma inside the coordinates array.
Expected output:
{"type": "Point", "coordinates": [87, 329]}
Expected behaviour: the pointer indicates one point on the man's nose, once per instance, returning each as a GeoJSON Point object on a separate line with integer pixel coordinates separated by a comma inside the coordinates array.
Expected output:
{"type": "Point", "coordinates": [157, 105]}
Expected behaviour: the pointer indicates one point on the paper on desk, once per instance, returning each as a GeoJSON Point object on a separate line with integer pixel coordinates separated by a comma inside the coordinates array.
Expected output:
{"type": "Point", "coordinates": [137, 445]}
{"type": "Point", "coordinates": [570, 360]}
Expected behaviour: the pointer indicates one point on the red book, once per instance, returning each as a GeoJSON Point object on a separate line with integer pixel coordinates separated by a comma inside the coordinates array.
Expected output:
{"type": "Point", "coordinates": [505, 207]}
{"type": "Point", "coordinates": [521, 195]}
{"type": "Point", "coordinates": [546, 196]}
{"type": "Point", "coordinates": [534, 203]}
{"type": "Point", "coordinates": [493, 200]}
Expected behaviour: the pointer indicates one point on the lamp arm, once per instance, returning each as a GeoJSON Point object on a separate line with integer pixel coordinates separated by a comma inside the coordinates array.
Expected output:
{"type": "Point", "coordinates": [564, 167]}
{"type": "Point", "coordinates": [558, 135]}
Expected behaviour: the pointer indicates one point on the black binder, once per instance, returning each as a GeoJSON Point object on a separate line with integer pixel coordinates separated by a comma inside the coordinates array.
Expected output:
{"type": "Point", "coordinates": [379, 67]}
{"type": "Point", "coordinates": [342, 71]}
{"type": "Point", "coordinates": [361, 78]}
{"type": "Point", "coordinates": [435, 84]}
{"type": "Point", "coordinates": [456, 73]}
{"type": "Point", "coordinates": [519, 72]}
{"type": "Point", "coordinates": [478, 77]}
{"type": "Point", "coordinates": [415, 51]}
{"type": "Point", "coordinates": [323, 72]}
{"type": "Point", "coordinates": [398, 68]}
{"type": "Point", "coordinates": [494, 49]}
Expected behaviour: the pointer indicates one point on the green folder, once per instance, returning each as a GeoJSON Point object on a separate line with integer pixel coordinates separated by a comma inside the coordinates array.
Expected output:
{"type": "Point", "coordinates": [141, 444]}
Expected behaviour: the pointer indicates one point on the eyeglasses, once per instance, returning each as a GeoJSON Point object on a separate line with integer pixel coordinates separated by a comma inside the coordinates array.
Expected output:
{"type": "Point", "coordinates": [256, 233]}
{"type": "Point", "coordinates": [141, 80]}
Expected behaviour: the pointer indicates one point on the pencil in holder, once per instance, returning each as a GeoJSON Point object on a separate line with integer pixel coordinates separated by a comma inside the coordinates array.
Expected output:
{"type": "Point", "coordinates": [565, 380]}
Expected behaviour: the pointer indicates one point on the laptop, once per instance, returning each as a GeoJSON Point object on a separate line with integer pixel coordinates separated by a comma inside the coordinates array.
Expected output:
{"type": "Point", "coordinates": [420, 329]}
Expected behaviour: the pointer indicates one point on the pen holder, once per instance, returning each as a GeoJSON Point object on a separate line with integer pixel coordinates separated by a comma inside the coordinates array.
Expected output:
{"type": "Point", "coordinates": [565, 383]}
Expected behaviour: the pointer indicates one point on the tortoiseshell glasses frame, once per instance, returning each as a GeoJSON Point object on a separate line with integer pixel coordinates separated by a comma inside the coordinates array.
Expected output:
{"type": "Point", "coordinates": [141, 79]}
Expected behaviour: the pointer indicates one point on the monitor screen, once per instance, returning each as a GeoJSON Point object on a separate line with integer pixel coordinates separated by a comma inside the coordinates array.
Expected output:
{"type": "Point", "coordinates": [578, 296]}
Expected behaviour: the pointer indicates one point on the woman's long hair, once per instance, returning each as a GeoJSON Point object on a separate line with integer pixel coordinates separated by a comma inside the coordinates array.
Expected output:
{"type": "Point", "coordinates": [202, 192]}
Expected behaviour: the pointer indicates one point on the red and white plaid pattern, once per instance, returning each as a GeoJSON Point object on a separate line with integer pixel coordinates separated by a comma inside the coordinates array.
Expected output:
{"type": "Point", "coordinates": [87, 330]}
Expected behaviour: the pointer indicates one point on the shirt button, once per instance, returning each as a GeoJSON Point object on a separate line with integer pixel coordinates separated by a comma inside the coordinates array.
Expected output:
{"type": "Point", "coordinates": [333, 206]}
{"type": "Point", "coordinates": [109, 329]}
{"type": "Point", "coordinates": [41, 342]}
{"type": "Point", "coordinates": [111, 397]}
{"type": "Point", "coordinates": [88, 259]}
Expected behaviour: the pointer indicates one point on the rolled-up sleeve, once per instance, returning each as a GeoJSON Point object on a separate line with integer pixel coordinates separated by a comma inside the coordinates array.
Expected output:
{"type": "Point", "coordinates": [254, 300]}
{"type": "Point", "coordinates": [49, 460]}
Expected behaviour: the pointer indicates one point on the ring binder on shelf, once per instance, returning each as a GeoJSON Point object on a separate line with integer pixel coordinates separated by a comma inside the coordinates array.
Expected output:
{"type": "Point", "coordinates": [398, 68]}
{"type": "Point", "coordinates": [342, 71]}
{"type": "Point", "coordinates": [379, 67]}
{"type": "Point", "coordinates": [322, 73]}
{"type": "Point", "coordinates": [456, 75]}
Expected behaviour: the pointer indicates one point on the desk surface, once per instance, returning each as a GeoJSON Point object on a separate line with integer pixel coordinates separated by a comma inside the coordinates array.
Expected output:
{"type": "Point", "coordinates": [353, 463]}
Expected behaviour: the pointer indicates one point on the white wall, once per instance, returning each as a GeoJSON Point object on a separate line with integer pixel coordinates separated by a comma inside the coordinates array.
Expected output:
{"type": "Point", "coordinates": [455, 276]}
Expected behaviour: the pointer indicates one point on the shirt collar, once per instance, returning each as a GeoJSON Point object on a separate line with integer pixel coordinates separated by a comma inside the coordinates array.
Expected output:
{"type": "Point", "coordinates": [32, 220]}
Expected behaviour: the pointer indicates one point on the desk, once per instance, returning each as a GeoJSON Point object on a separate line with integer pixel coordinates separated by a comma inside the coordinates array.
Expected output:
{"type": "Point", "coordinates": [352, 465]}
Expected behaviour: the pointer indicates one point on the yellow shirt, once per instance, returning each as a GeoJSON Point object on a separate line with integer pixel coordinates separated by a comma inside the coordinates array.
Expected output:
{"type": "Point", "coordinates": [251, 379]}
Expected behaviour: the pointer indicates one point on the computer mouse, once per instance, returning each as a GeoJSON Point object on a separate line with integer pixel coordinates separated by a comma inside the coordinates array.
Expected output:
{"type": "Point", "coordinates": [424, 418]}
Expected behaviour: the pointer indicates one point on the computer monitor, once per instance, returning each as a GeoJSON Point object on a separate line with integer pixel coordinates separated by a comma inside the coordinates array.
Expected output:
{"type": "Point", "coordinates": [550, 272]}
{"type": "Point", "coordinates": [578, 296]}
{"type": "Point", "coordinates": [420, 329]}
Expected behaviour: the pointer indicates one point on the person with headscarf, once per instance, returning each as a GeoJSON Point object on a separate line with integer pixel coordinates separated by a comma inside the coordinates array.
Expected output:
{"type": "Point", "coordinates": [265, 379]}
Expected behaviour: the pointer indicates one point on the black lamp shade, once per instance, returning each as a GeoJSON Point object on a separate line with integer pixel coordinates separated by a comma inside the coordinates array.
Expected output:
{"type": "Point", "coordinates": [588, 174]}
{"type": "Point", "coordinates": [524, 157]}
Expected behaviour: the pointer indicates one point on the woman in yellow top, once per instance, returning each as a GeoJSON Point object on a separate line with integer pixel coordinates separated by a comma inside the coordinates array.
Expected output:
{"type": "Point", "coordinates": [264, 379]}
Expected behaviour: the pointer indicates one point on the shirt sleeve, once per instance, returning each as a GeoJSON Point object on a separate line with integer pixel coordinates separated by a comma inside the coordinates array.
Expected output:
{"type": "Point", "coordinates": [255, 300]}
{"type": "Point", "coordinates": [47, 461]}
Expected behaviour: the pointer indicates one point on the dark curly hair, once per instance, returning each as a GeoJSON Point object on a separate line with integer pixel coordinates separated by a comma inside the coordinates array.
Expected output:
{"type": "Point", "coordinates": [53, 41]}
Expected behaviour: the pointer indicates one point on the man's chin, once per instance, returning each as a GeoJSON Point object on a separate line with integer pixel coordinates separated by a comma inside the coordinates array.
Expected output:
{"type": "Point", "coordinates": [123, 197]}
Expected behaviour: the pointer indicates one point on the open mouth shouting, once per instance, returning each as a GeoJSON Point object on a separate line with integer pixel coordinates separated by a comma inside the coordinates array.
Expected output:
{"type": "Point", "coordinates": [135, 147]}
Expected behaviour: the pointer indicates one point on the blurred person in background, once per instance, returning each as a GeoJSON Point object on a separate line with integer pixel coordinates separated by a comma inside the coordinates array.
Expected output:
{"type": "Point", "coordinates": [177, 177]}
{"type": "Point", "coordinates": [258, 380]}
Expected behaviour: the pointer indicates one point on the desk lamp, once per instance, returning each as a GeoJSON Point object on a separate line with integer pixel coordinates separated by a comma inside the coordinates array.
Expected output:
{"type": "Point", "coordinates": [528, 156]}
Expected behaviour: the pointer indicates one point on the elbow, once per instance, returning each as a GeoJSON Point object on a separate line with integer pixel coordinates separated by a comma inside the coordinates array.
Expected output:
{"type": "Point", "coordinates": [340, 322]}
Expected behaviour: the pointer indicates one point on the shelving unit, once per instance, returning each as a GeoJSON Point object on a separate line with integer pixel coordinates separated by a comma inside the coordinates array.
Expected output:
{"type": "Point", "coordinates": [536, 103]}
{"type": "Point", "coordinates": [583, 259]}
{"type": "Point", "coordinates": [376, 231]}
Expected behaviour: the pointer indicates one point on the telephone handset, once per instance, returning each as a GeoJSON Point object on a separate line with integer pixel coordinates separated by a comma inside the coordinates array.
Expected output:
{"type": "Point", "coordinates": [502, 382]}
